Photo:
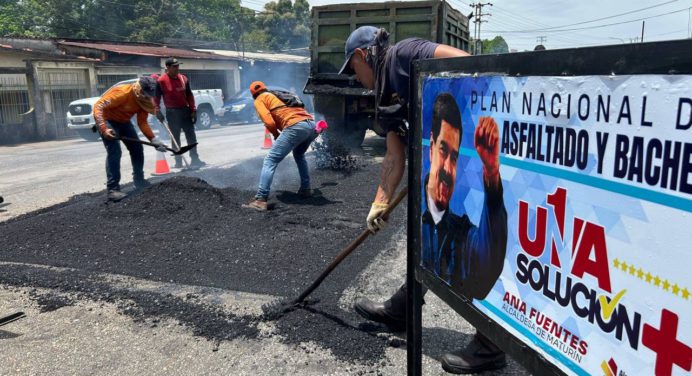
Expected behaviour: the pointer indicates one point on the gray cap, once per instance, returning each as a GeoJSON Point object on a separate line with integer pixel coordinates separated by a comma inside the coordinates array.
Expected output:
{"type": "Point", "coordinates": [148, 85]}
{"type": "Point", "coordinates": [361, 37]}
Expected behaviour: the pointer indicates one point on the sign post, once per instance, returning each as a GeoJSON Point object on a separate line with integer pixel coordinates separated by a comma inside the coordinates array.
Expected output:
{"type": "Point", "coordinates": [551, 202]}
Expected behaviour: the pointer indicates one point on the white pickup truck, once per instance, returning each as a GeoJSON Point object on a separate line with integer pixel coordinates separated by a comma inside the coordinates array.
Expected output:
{"type": "Point", "coordinates": [209, 108]}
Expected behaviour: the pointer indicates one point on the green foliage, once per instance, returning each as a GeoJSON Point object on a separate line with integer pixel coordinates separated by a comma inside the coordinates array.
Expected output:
{"type": "Point", "coordinates": [286, 24]}
{"type": "Point", "coordinates": [497, 45]}
{"type": "Point", "coordinates": [283, 24]}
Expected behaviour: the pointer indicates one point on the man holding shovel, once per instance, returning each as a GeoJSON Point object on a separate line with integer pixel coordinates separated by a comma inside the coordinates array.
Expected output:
{"type": "Point", "coordinates": [112, 113]}
{"type": "Point", "coordinates": [293, 129]}
{"type": "Point", "coordinates": [385, 69]}
{"type": "Point", "coordinates": [180, 109]}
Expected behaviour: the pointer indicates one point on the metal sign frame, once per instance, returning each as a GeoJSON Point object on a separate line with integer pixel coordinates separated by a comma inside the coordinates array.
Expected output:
{"type": "Point", "coordinates": [670, 57]}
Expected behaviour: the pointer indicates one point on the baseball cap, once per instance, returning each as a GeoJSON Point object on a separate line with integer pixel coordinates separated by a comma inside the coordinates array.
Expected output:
{"type": "Point", "coordinates": [361, 37]}
{"type": "Point", "coordinates": [148, 85]}
{"type": "Point", "coordinates": [172, 61]}
{"type": "Point", "coordinates": [257, 87]}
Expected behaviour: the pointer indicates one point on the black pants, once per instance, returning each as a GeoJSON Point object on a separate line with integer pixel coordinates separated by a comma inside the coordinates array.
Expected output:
{"type": "Point", "coordinates": [180, 119]}
{"type": "Point", "coordinates": [114, 153]}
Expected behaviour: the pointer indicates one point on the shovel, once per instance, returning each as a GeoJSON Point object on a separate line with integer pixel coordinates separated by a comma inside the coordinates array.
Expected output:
{"type": "Point", "coordinates": [180, 151]}
{"type": "Point", "coordinates": [13, 317]}
{"type": "Point", "coordinates": [274, 310]}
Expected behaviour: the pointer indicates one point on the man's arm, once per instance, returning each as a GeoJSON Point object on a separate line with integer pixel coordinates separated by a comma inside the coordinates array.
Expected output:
{"type": "Point", "coordinates": [443, 51]}
{"type": "Point", "coordinates": [266, 116]}
{"type": "Point", "coordinates": [189, 95]}
{"type": "Point", "coordinates": [111, 99]}
{"type": "Point", "coordinates": [144, 124]}
{"type": "Point", "coordinates": [157, 97]}
{"type": "Point", "coordinates": [392, 168]}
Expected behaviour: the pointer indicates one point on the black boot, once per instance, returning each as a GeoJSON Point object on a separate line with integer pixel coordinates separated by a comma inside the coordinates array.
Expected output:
{"type": "Point", "coordinates": [478, 356]}
{"type": "Point", "coordinates": [391, 313]}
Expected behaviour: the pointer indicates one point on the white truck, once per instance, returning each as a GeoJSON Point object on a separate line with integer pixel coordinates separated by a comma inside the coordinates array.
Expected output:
{"type": "Point", "coordinates": [209, 104]}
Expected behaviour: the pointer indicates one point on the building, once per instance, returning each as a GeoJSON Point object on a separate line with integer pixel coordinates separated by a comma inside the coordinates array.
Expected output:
{"type": "Point", "coordinates": [39, 78]}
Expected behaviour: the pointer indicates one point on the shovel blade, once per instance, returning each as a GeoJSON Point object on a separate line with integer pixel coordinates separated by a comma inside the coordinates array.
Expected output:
{"type": "Point", "coordinates": [185, 149]}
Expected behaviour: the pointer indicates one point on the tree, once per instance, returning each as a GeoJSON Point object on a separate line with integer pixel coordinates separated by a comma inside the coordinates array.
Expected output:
{"type": "Point", "coordinates": [287, 25]}
{"type": "Point", "coordinates": [497, 45]}
{"type": "Point", "coordinates": [284, 24]}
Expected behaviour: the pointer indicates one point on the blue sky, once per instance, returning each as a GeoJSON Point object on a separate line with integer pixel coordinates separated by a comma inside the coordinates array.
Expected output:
{"type": "Point", "coordinates": [521, 22]}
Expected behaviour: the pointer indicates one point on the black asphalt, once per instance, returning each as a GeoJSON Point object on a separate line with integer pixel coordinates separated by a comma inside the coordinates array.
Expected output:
{"type": "Point", "coordinates": [185, 231]}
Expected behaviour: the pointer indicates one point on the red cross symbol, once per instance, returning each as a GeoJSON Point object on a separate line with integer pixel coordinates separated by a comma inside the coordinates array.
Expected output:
{"type": "Point", "coordinates": [669, 351]}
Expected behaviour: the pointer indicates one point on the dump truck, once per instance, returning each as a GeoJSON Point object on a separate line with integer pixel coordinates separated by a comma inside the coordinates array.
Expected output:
{"type": "Point", "coordinates": [340, 99]}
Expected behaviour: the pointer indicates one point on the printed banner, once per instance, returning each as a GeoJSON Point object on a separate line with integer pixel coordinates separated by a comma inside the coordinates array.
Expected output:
{"type": "Point", "coordinates": [563, 207]}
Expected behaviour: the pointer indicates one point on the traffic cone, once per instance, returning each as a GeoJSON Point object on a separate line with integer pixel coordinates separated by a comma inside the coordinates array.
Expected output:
{"type": "Point", "coordinates": [267, 139]}
{"type": "Point", "coordinates": [161, 164]}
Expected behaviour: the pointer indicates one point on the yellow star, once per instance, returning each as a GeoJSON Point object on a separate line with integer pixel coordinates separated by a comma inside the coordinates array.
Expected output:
{"type": "Point", "coordinates": [685, 293]}
{"type": "Point", "coordinates": [676, 289]}
{"type": "Point", "coordinates": [632, 270]}
{"type": "Point", "coordinates": [616, 263]}
{"type": "Point", "coordinates": [666, 285]}
{"type": "Point", "coordinates": [648, 277]}
{"type": "Point", "coordinates": [623, 266]}
{"type": "Point", "coordinates": [657, 281]}
{"type": "Point", "coordinates": [640, 273]}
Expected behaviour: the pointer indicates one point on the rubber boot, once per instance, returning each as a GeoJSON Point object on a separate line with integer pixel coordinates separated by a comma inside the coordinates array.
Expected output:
{"type": "Point", "coordinates": [478, 356]}
{"type": "Point", "coordinates": [392, 312]}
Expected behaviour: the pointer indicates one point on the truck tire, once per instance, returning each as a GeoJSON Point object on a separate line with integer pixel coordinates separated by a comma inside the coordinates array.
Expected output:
{"type": "Point", "coordinates": [88, 135]}
{"type": "Point", "coordinates": [205, 118]}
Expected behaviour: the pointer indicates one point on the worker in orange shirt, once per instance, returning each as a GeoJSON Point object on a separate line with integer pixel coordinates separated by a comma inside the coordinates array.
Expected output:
{"type": "Point", "coordinates": [293, 129]}
{"type": "Point", "coordinates": [112, 113]}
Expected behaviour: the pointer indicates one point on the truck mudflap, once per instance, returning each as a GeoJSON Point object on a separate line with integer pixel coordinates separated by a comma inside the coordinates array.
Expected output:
{"type": "Point", "coordinates": [335, 84]}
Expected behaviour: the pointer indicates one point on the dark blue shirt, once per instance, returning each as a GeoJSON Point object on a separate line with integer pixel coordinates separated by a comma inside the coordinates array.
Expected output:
{"type": "Point", "coordinates": [399, 60]}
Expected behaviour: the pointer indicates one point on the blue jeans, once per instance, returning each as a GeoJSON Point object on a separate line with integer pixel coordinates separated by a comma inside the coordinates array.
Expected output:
{"type": "Point", "coordinates": [296, 138]}
{"type": "Point", "coordinates": [114, 153]}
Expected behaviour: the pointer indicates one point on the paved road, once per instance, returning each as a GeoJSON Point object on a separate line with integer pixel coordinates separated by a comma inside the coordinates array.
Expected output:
{"type": "Point", "coordinates": [37, 175]}
{"type": "Point", "coordinates": [93, 335]}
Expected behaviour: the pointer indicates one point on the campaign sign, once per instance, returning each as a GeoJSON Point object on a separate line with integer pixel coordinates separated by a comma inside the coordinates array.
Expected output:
{"type": "Point", "coordinates": [561, 208]}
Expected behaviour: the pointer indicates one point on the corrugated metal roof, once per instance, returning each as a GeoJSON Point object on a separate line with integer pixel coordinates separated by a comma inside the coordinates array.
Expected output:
{"type": "Point", "coordinates": [157, 51]}
{"type": "Point", "coordinates": [44, 54]}
{"type": "Point", "coordinates": [263, 56]}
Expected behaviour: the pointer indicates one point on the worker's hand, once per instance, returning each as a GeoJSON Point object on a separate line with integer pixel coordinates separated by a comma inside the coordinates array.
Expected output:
{"type": "Point", "coordinates": [160, 146]}
{"type": "Point", "coordinates": [487, 143]}
{"type": "Point", "coordinates": [193, 117]}
{"type": "Point", "coordinates": [375, 220]}
{"type": "Point", "coordinates": [109, 134]}
{"type": "Point", "coordinates": [160, 116]}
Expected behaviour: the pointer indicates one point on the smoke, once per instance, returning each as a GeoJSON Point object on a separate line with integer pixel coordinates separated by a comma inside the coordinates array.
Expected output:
{"type": "Point", "coordinates": [333, 151]}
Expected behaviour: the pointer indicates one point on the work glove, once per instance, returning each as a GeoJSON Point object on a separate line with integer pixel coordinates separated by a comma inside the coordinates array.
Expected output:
{"type": "Point", "coordinates": [160, 116]}
{"type": "Point", "coordinates": [375, 220]}
{"type": "Point", "coordinates": [193, 117]}
{"type": "Point", "coordinates": [160, 146]}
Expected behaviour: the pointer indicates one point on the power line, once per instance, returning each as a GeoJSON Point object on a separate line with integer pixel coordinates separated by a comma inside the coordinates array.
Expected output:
{"type": "Point", "coordinates": [591, 27]}
{"type": "Point", "coordinates": [513, 21]}
{"type": "Point", "coordinates": [605, 18]}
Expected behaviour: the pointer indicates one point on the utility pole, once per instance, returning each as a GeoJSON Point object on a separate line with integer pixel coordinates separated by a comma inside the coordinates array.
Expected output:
{"type": "Point", "coordinates": [541, 39]}
{"type": "Point", "coordinates": [478, 20]}
{"type": "Point", "coordinates": [642, 38]}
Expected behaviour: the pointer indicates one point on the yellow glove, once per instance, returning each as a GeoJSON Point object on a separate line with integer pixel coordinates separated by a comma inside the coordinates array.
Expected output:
{"type": "Point", "coordinates": [375, 220]}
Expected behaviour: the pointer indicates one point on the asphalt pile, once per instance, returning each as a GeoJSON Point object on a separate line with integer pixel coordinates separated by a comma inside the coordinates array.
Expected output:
{"type": "Point", "coordinates": [185, 231]}
{"type": "Point", "coordinates": [334, 155]}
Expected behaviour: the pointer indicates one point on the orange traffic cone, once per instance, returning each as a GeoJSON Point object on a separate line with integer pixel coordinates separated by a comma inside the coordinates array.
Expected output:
{"type": "Point", "coordinates": [267, 139]}
{"type": "Point", "coordinates": [161, 164]}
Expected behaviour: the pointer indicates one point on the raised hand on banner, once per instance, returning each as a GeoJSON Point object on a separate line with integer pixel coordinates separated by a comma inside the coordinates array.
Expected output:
{"type": "Point", "coordinates": [487, 141]}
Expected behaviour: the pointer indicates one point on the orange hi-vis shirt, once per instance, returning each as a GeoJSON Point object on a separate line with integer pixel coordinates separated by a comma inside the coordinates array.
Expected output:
{"type": "Point", "coordinates": [119, 104]}
{"type": "Point", "coordinates": [276, 115]}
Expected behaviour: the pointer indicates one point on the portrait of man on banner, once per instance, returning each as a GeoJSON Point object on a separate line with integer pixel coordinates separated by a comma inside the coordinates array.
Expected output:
{"type": "Point", "coordinates": [468, 257]}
